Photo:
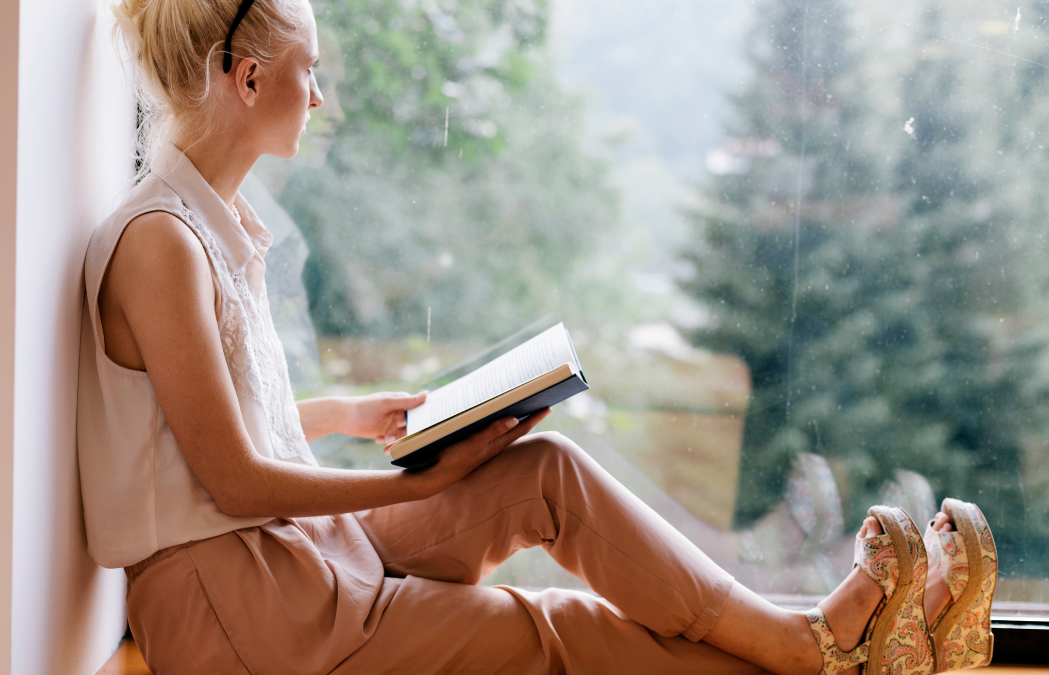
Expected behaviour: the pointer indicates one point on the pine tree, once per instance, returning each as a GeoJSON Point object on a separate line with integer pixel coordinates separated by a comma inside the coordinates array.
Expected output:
{"type": "Point", "coordinates": [809, 196]}
{"type": "Point", "coordinates": [907, 337]}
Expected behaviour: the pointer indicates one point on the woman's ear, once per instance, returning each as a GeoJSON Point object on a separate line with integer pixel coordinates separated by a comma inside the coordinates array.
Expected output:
{"type": "Point", "coordinates": [246, 79]}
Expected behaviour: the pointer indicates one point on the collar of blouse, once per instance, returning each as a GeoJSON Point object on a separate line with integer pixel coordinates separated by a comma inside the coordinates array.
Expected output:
{"type": "Point", "coordinates": [239, 242]}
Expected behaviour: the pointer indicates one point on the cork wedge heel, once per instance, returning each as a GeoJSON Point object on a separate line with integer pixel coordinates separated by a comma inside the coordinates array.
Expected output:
{"type": "Point", "coordinates": [967, 560]}
{"type": "Point", "coordinates": [896, 561]}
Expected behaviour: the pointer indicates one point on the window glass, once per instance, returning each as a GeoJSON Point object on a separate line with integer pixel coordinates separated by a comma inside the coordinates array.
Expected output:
{"type": "Point", "coordinates": [801, 247]}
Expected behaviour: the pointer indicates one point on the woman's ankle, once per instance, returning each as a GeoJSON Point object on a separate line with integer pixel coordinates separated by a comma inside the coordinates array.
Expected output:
{"type": "Point", "coordinates": [849, 607]}
{"type": "Point", "coordinates": [809, 659]}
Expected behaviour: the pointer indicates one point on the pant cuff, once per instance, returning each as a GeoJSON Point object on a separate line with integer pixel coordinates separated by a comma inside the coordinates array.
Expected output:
{"type": "Point", "coordinates": [706, 619]}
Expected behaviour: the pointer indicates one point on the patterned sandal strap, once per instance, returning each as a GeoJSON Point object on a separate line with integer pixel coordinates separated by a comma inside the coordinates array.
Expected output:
{"type": "Point", "coordinates": [877, 557]}
{"type": "Point", "coordinates": [948, 557]}
{"type": "Point", "coordinates": [834, 659]}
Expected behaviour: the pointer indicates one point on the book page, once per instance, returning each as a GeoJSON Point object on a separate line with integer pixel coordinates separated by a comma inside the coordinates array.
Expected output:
{"type": "Point", "coordinates": [541, 354]}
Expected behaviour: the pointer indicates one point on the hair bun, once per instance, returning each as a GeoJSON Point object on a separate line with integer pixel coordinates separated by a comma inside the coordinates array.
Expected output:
{"type": "Point", "coordinates": [173, 45]}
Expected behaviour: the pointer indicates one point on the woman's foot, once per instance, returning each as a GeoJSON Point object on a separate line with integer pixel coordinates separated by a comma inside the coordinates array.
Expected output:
{"type": "Point", "coordinates": [850, 606]}
{"type": "Point", "coordinates": [937, 595]}
{"type": "Point", "coordinates": [793, 643]}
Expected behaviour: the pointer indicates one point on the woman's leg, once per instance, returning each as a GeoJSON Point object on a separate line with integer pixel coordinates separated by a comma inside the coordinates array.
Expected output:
{"type": "Point", "coordinates": [545, 491]}
{"type": "Point", "coordinates": [432, 627]}
{"type": "Point", "coordinates": [780, 640]}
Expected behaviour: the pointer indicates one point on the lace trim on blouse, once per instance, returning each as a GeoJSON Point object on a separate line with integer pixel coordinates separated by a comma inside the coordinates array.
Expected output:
{"type": "Point", "coordinates": [254, 354]}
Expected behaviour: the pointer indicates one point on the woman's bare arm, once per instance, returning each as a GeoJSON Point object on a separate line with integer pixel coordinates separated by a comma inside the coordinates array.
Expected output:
{"type": "Point", "coordinates": [159, 287]}
{"type": "Point", "coordinates": [378, 416]}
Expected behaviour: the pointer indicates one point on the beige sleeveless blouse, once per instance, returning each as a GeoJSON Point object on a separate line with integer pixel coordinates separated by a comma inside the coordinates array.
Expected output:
{"type": "Point", "coordinates": [139, 493]}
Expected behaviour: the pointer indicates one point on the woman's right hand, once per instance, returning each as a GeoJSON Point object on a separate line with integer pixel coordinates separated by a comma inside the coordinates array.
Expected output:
{"type": "Point", "coordinates": [461, 458]}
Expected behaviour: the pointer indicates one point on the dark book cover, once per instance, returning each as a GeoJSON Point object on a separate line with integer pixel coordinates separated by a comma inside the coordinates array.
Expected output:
{"type": "Point", "coordinates": [427, 455]}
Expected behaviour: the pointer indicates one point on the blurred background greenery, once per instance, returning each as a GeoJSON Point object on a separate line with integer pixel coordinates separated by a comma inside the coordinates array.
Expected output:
{"type": "Point", "coordinates": [801, 246]}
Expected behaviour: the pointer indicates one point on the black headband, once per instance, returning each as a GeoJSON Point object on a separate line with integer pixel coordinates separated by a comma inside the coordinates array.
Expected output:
{"type": "Point", "coordinates": [227, 55]}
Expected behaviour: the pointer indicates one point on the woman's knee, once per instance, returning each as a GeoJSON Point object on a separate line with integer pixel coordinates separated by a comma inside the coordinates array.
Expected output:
{"type": "Point", "coordinates": [554, 438]}
{"type": "Point", "coordinates": [553, 450]}
{"type": "Point", "coordinates": [550, 443]}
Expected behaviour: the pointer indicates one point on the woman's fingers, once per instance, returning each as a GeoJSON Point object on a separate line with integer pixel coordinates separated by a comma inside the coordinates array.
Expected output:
{"type": "Point", "coordinates": [402, 400]}
{"type": "Point", "coordinates": [396, 427]}
{"type": "Point", "coordinates": [416, 400]}
{"type": "Point", "coordinates": [463, 457]}
{"type": "Point", "coordinates": [392, 430]}
{"type": "Point", "coordinates": [502, 433]}
{"type": "Point", "coordinates": [499, 428]}
{"type": "Point", "coordinates": [391, 433]}
{"type": "Point", "coordinates": [870, 528]}
{"type": "Point", "coordinates": [483, 445]}
{"type": "Point", "coordinates": [515, 431]}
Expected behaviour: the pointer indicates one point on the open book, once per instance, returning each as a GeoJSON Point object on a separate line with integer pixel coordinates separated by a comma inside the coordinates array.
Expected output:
{"type": "Point", "coordinates": [532, 376]}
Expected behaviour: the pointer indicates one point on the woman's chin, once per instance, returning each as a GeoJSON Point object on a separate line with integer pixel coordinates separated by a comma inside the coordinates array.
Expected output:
{"type": "Point", "coordinates": [286, 152]}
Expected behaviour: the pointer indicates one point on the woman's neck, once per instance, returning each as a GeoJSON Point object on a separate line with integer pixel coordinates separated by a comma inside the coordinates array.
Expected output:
{"type": "Point", "coordinates": [222, 162]}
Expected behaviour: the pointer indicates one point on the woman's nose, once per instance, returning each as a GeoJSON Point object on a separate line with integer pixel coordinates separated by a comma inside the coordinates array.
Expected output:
{"type": "Point", "coordinates": [316, 98]}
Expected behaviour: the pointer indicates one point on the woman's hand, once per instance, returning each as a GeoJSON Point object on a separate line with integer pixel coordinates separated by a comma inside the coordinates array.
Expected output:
{"type": "Point", "coordinates": [377, 416]}
{"type": "Point", "coordinates": [457, 460]}
{"type": "Point", "coordinates": [380, 416]}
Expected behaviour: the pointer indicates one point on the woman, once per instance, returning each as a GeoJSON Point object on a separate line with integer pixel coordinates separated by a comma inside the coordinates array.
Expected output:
{"type": "Point", "coordinates": [243, 555]}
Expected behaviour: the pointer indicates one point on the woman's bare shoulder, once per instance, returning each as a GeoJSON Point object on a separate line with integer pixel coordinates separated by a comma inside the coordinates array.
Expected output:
{"type": "Point", "coordinates": [159, 272]}
{"type": "Point", "coordinates": [158, 264]}
{"type": "Point", "coordinates": [157, 246]}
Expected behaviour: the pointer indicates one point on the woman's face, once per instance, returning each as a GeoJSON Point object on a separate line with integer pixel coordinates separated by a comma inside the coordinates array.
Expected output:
{"type": "Point", "coordinates": [288, 91]}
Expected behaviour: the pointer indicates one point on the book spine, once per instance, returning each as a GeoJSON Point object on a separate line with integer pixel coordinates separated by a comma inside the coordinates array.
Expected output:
{"type": "Point", "coordinates": [427, 455]}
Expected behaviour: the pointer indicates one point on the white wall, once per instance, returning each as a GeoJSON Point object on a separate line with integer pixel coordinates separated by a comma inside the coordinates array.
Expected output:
{"type": "Point", "coordinates": [75, 121]}
{"type": "Point", "coordinates": [8, 183]}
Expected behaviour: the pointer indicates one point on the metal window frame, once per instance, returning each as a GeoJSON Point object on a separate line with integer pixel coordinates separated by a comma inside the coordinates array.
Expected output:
{"type": "Point", "coordinates": [1020, 640]}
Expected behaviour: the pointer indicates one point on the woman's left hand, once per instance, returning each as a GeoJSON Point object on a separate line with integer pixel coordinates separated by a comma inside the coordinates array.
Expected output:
{"type": "Point", "coordinates": [379, 416]}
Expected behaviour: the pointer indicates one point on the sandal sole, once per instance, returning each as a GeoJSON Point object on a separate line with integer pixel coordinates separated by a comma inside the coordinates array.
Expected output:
{"type": "Point", "coordinates": [969, 656]}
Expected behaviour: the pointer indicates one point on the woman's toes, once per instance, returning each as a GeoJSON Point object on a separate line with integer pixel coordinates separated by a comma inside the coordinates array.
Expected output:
{"type": "Point", "coordinates": [941, 522]}
{"type": "Point", "coordinates": [870, 528]}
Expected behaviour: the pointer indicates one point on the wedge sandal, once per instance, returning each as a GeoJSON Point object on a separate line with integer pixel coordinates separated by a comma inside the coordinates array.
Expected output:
{"type": "Point", "coordinates": [896, 641]}
{"type": "Point", "coordinates": [896, 561]}
{"type": "Point", "coordinates": [967, 560]}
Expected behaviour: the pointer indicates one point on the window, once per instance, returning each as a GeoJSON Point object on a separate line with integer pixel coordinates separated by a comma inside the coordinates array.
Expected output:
{"type": "Point", "coordinates": [801, 246]}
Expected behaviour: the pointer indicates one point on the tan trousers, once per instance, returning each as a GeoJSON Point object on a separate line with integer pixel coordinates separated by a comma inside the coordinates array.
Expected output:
{"type": "Point", "coordinates": [393, 590]}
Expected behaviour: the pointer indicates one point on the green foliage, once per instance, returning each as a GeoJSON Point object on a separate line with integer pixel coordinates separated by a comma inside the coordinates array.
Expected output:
{"type": "Point", "coordinates": [481, 233]}
{"type": "Point", "coordinates": [887, 294]}
{"type": "Point", "coordinates": [396, 59]}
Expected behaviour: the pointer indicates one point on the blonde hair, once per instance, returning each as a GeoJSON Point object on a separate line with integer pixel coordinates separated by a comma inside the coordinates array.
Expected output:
{"type": "Point", "coordinates": [176, 44]}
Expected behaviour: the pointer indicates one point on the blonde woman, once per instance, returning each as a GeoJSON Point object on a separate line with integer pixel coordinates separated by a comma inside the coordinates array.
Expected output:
{"type": "Point", "coordinates": [244, 556]}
